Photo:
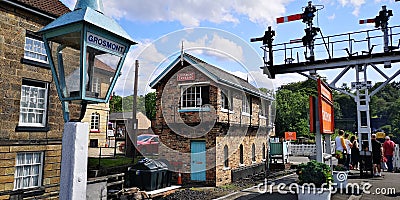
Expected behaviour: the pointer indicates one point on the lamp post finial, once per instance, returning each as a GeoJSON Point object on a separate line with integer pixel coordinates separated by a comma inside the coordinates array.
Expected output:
{"type": "Point", "coordinates": [94, 4]}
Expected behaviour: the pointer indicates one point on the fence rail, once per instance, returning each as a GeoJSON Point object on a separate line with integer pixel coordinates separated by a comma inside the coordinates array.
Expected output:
{"type": "Point", "coordinates": [307, 149]}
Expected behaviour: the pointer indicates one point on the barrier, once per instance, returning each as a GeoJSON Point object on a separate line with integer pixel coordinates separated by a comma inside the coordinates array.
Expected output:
{"type": "Point", "coordinates": [396, 158]}
{"type": "Point", "coordinates": [306, 149]}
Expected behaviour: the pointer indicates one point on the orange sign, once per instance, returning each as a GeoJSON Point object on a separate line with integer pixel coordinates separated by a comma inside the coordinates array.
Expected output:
{"type": "Point", "coordinates": [290, 135]}
{"type": "Point", "coordinates": [325, 108]}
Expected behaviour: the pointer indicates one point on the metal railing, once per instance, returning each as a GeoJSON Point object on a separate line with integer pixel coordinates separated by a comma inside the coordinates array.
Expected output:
{"type": "Point", "coordinates": [363, 42]}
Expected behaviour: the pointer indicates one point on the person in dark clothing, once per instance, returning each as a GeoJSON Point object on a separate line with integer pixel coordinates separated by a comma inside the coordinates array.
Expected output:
{"type": "Point", "coordinates": [355, 152]}
{"type": "Point", "coordinates": [376, 155]}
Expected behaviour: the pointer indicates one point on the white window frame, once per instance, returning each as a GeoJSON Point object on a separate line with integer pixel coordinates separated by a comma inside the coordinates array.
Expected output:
{"type": "Point", "coordinates": [28, 166]}
{"type": "Point", "coordinates": [95, 122]}
{"type": "Point", "coordinates": [96, 85]}
{"type": "Point", "coordinates": [263, 109]}
{"type": "Point", "coordinates": [31, 98]}
{"type": "Point", "coordinates": [246, 105]}
{"type": "Point", "coordinates": [226, 94]}
{"type": "Point", "coordinates": [34, 50]}
{"type": "Point", "coordinates": [197, 96]}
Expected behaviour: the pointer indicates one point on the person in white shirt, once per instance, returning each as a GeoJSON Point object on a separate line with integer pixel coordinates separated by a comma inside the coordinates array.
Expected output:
{"type": "Point", "coordinates": [348, 150]}
{"type": "Point", "coordinates": [340, 148]}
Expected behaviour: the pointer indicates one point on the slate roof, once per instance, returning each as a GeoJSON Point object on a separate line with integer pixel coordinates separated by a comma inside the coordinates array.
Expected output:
{"type": "Point", "coordinates": [222, 75]}
{"type": "Point", "coordinates": [214, 73]}
{"type": "Point", "coordinates": [143, 121]}
{"type": "Point", "coordinates": [54, 8]}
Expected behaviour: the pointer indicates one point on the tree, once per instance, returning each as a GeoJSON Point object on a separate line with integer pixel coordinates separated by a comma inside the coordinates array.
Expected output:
{"type": "Point", "coordinates": [145, 104]}
{"type": "Point", "coordinates": [150, 105]}
{"type": "Point", "coordinates": [292, 112]}
{"type": "Point", "coordinates": [116, 104]}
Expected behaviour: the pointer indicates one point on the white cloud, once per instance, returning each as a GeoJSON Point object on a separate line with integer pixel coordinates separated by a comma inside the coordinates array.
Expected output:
{"type": "Point", "coordinates": [192, 13]}
{"type": "Point", "coordinates": [148, 57]}
{"type": "Point", "coordinates": [353, 3]}
{"type": "Point", "coordinates": [287, 78]}
{"type": "Point", "coordinates": [332, 17]}
{"type": "Point", "coordinates": [227, 46]}
{"type": "Point", "coordinates": [216, 46]}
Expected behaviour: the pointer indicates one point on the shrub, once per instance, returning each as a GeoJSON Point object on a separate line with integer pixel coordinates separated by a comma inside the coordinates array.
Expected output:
{"type": "Point", "coordinates": [315, 172]}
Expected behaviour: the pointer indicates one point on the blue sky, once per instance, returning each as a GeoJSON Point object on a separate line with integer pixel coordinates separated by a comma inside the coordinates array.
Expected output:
{"type": "Point", "coordinates": [218, 31]}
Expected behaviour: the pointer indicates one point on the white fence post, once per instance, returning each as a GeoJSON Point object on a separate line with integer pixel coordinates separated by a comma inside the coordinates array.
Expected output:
{"type": "Point", "coordinates": [396, 158]}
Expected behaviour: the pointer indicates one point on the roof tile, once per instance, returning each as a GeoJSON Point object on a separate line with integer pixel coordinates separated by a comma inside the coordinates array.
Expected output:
{"type": "Point", "coordinates": [53, 7]}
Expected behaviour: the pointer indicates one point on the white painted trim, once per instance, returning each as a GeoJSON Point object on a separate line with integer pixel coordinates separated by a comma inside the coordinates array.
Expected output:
{"type": "Point", "coordinates": [226, 111]}
{"type": "Point", "coordinates": [195, 83]}
{"type": "Point", "coordinates": [246, 114]}
{"type": "Point", "coordinates": [226, 169]}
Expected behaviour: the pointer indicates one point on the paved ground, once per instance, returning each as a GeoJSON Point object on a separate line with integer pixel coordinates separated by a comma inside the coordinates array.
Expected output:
{"type": "Point", "coordinates": [386, 187]}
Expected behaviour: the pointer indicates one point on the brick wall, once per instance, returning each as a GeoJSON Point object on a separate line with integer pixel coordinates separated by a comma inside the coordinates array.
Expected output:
{"type": "Point", "coordinates": [178, 129]}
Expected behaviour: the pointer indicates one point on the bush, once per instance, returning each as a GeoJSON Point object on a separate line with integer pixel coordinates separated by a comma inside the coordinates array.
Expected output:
{"type": "Point", "coordinates": [315, 172]}
{"type": "Point", "coordinates": [339, 168]}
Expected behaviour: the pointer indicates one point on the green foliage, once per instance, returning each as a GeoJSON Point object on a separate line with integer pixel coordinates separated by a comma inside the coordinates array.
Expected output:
{"type": "Point", "coordinates": [109, 162]}
{"type": "Point", "coordinates": [145, 104]}
{"type": "Point", "coordinates": [116, 104]}
{"type": "Point", "coordinates": [291, 112]}
{"type": "Point", "coordinates": [345, 106]}
{"type": "Point", "coordinates": [150, 105]}
{"type": "Point", "coordinates": [315, 172]}
{"type": "Point", "coordinates": [339, 168]}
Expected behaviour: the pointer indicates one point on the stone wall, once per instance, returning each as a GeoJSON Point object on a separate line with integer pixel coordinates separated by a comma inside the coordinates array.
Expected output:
{"type": "Point", "coordinates": [103, 110]}
{"type": "Point", "coordinates": [233, 142]}
{"type": "Point", "coordinates": [14, 23]}
{"type": "Point", "coordinates": [177, 129]}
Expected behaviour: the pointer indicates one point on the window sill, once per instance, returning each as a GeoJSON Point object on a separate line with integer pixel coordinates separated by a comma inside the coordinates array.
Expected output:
{"type": "Point", "coordinates": [227, 111]}
{"type": "Point", "coordinates": [226, 169]}
{"type": "Point", "coordinates": [246, 114]}
{"type": "Point", "coordinates": [261, 117]}
{"type": "Point", "coordinates": [31, 129]}
{"type": "Point", "coordinates": [205, 109]}
{"type": "Point", "coordinates": [95, 131]}
{"type": "Point", "coordinates": [29, 192]}
{"type": "Point", "coordinates": [242, 165]}
{"type": "Point", "coordinates": [253, 162]}
{"type": "Point", "coordinates": [35, 63]}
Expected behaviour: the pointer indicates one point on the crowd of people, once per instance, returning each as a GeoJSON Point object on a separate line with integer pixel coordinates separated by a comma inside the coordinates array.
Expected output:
{"type": "Point", "coordinates": [348, 153]}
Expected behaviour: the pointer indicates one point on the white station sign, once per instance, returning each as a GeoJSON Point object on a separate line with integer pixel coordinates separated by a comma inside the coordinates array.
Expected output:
{"type": "Point", "coordinates": [105, 43]}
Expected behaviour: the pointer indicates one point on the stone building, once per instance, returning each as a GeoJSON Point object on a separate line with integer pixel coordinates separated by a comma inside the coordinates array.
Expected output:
{"type": "Point", "coordinates": [213, 126]}
{"type": "Point", "coordinates": [31, 130]}
{"type": "Point", "coordinates": [30, 110]}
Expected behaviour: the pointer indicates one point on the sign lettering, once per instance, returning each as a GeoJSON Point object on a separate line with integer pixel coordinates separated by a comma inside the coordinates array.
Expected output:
{"type": "Point", "coordinates": [105, 43]}
{"type": "Point", "coordinates": [290, 135]}
{"type": "Point", "coordinates": [325, 108]}
{"type": "Point", "coordinates": [186, 76]}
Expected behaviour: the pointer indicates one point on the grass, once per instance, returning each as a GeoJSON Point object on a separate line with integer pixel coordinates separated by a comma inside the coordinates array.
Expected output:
{"type": "Point", "coordinates": [109, 162]}
{"type": "Point", "coordinates": [229, 187]}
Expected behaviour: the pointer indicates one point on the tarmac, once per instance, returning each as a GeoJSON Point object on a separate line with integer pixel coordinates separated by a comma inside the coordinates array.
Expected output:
{"type": "Point", "coordinates": [386, 187]}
